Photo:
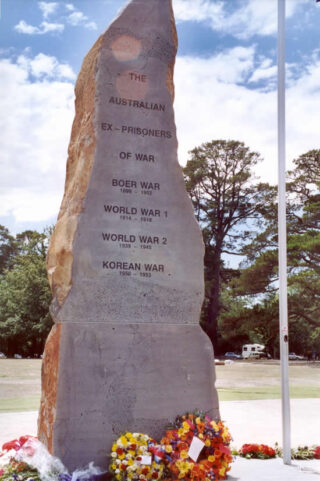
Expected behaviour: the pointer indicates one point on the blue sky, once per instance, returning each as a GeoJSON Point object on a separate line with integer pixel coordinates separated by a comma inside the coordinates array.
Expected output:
{"type": "Point", "coordinates": [225, 80]}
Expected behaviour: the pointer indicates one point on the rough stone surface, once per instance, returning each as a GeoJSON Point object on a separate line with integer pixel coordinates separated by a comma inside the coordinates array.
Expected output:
{"type": "Point", "coordinates": [148, 380]}
{"type": "Point", "coordinates": [126, 257]}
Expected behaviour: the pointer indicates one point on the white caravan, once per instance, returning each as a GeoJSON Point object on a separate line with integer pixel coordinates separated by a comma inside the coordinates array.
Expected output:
{"type": "Point", "coordinates": [253, 351]}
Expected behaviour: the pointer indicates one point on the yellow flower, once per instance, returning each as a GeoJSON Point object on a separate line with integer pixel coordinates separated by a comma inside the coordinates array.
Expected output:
{"type": "Point", "coordinates": [114, 446]}
{"type": "Point", "coordinates": [198, 420]}
{"type": "Point", "coordinates": [123, 441]}
{"type": "Point", "coordinates": [132, 452]}
{"type": "Point", "coordinates": [182, 431]}
{"type": "Point", "coordinates": [207, 443]}
{"type": "Point", "coordinates": [211, 459]}
{"type": "Point", "coordinates": [121, 456]}
{"type": "Point", "coordinates": [168, 448]}
{"type": "Point", "coordinates": [183, 467]}
{"type": "Point", "coordinates": [224, 437]}
{"type": "Point", "coordinates": [201, 436]}
{"type": "Point", "coordinates": [214, 425]}
{"type": "Point", "coordinates": [222, 471]}
{"type": "Point", "coordinates": [130, 462]}
{"type": "Point", "coordinates": [118, 477]}
{"type": "Point", "coordinates": [114, 467]}
{"type": "Point", "coordinates": [186, 426]}
{"type": "Point", "coordinates": [183, 454]}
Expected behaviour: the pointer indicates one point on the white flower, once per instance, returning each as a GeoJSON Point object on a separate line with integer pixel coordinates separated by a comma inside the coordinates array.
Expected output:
{"type": "Point", "coordinates": [114, 455]}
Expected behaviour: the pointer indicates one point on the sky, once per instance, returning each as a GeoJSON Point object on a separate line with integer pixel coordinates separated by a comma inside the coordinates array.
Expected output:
{"type": "Point", "coordinates": [225, 84]}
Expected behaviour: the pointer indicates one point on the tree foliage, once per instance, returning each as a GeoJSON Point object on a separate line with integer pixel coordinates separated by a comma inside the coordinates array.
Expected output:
{"type": "Point", "coordinates": [25, 297]}
{"type": "Point", "coordinates": [219, 179]}
{"type": "Point", "coordinates": [258, 278]}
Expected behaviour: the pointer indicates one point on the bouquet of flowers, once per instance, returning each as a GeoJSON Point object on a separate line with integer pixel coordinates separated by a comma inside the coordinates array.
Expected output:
{"type": "Point", "coordinates": [259, 451]}
{"type": "Point", "coordinates": [136, 457]}
{"type": "Point", "coordinates": [196, 448]}
{"type": "Point", "coordinates": [12, 468]}
{"type": "Point", "coordinates": [27, 459]}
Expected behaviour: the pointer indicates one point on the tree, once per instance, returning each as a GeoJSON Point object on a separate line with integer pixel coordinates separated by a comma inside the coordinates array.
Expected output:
{"type": "Point", "coordinates": [220, 182]}
{"type": "Point", "coordinates": [25, 297]}
{"type": "Point", "coordinates": [259, 279]}
{"type": "Point", "coordinates": [8, 249]}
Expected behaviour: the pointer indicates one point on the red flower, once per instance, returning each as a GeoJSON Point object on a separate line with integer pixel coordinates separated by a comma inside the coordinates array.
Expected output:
{"type": "Point", "coordinates": [224, 449]}
{"type": "Point", "coordinates": [17, 444]}
{"type": "Point", "coordinates": [154, 476]}
{"type": "Point", "coordinates": [317, 452]}
{"type": "Point", "coordinates": [14, 444]}
{"type": "Point", "coordinates": [119, 451]}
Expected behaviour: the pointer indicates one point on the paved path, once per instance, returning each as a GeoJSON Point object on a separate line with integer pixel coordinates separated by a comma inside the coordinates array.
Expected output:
{"type": "Point", "coordinates": [260, 421]}
{"type": "Point", "coordinates": [248, 421]}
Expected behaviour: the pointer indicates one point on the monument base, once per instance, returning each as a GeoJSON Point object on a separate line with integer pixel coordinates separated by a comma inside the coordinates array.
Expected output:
{"type": "Point", "coordinates": [117, 378]}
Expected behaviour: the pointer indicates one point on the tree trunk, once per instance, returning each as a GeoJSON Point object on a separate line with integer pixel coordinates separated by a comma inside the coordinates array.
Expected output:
{"type": "Point", "coordinates": [210, 325]}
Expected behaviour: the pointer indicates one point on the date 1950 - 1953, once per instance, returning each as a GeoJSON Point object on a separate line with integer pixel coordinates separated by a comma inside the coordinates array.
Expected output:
{"type": "Point", "coordinates": [127, 268]}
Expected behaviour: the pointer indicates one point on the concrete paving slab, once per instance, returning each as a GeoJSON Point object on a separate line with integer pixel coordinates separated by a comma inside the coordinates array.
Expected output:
{"type": "Point", "coordinates": [260, 421]}
{"type": "Point", "coordinates": [273, 470]}
{"type": "Point", "coordinates": [249, 421]}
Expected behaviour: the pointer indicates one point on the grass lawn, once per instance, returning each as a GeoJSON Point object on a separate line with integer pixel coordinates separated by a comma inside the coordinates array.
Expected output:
{"type": "Point", "coordinates": [29, 403]}
{"type": "Point", "coordinates": [20, 385]}
{"type": "Point", "coordinates": [266, 392]}
{"type": "Point", "coordinates": [261, 380]}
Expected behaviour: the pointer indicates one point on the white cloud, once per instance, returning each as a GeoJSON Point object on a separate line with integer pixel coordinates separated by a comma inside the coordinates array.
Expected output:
{"type": "Point", "coordinates": [78, 18]}
{"type": "Point", "coordinates": [46, 66]}
{"type": "Point", "coordinates": [23, 27]}
{"type": "Point", "coordinates": [70, 7]}
{"type": "Point", "coordinates": [252, 17]}
{"type": "Point", "coordinates": [48, 8]}
{"type": "Point", "coordinates": [35, 133]}
{"type": "Point", "coordinates": [210, 105]}
{"type": "Point", "coordinates": [198, 10]}
{"type": "Point", "coordinates": [75, 19]}
{"type": "Point", "coordinates": [45, 27]}
{"type": "Point", "coordinates": [264, 73]}
{"type": "Point", "coordinates": [51, 27]}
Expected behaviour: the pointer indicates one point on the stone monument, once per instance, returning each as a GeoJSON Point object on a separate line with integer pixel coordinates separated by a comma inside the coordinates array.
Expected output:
{"type": "Point", "coordinates": [126, 257]}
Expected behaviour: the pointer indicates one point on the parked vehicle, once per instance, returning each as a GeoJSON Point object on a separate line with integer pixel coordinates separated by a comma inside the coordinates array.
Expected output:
{"type": "Point", "coordinates": [253, 351]}
{"type": "Point", "coordinates": [295, 357]}
{"type": "Point", "coordinates": [232, 355]}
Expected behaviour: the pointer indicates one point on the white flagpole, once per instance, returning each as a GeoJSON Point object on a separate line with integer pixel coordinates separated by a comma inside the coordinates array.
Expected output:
{"type": "Point", "coordinates": [282, 232]}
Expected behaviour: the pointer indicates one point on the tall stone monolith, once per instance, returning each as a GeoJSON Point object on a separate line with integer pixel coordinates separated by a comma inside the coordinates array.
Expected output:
{"type": "Point", "coordinates": [126, 257]}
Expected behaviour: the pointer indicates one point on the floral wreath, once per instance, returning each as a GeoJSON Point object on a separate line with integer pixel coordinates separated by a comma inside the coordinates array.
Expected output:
{"type": "Point", "coordinates": [136, 457]}
{"type": "Point", "coordinates": [259, 451]}
{"type": "Point", "coordinates": [197, 448]}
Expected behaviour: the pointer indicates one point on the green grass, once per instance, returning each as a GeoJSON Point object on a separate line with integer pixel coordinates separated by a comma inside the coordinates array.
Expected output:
{"type": "Point", "coordinates": [266, 392]}
{"type": "Point", "coordinates": [29, 403]}
{"type": "Point", "coordinates": [20, 385]}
